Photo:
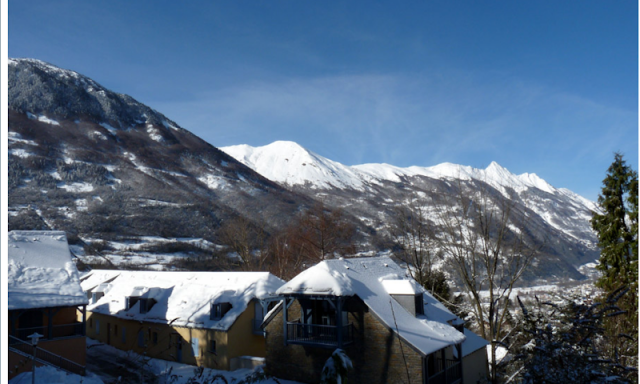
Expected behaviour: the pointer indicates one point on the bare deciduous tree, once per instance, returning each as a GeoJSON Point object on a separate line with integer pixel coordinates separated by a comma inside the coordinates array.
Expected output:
{"type": "Point", "coordinates": [247, 241]}
{"type": "Point", "coordinates": [413, 234]}
{"type": "Point", "coordinates": [285, 254]}
{"type": "Point", "coordinates": [487, 247]}
{"type": "Point", "coordinates": [323, 234]}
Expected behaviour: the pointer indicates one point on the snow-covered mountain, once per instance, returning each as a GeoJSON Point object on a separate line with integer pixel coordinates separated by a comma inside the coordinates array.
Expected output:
{"type": "Point", "coordinates": [289, 163]}
{"type": "Point", "coordinates": [102, 166]}
{"type": "Point", "coordinates": [122, 178]}
{"type": "Point", "coordinates": [371, 191]}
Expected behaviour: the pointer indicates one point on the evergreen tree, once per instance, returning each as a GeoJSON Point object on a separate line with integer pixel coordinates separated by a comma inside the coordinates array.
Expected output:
{"type": "Point", "coordinates": [616, 239]}
{"type": "Point", "coordinates": [617, 229]}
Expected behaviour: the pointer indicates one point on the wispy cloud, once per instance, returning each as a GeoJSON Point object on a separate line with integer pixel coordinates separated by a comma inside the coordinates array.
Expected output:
{"type": "Point", "coordinates": [416, 120]}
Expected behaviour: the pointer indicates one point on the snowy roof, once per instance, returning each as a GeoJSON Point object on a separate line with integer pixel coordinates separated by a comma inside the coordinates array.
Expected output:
{"type": "Point", "coordinates": [181, 298]}
{"type": "Point", "coordinates": [473, 342]}
{"type": "Point", "coordinates": [368, 278]}
{"type": "Point", "coordinates": [41, 272]}
{"type": "Point", "coordinates": [400, 287]}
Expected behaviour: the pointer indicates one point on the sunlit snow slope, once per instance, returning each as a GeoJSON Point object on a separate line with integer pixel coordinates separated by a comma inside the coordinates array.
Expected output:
{"type": "Point", "coordinates": [290, 164]}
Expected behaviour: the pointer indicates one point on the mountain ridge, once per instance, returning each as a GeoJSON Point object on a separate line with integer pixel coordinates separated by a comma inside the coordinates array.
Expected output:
{"type": "Point", "coordinates": [374, 192]}
{"type": "Point", "coordinates": [259, 159]}
{"type": "Point", "coordinates": [126, 181]}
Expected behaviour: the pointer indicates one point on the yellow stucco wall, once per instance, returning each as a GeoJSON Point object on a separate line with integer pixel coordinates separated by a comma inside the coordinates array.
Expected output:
{"type": "Point", "coordinates": [169, 340]}
{"type": "Point", "coordinates": [244, 342]}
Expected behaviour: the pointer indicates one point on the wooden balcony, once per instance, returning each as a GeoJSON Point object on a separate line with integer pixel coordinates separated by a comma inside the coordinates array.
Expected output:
{"type": "Point", "coordinates": [44, 356]}
{"type": "Point", "coordinates": [51, 332]}
{"type": "Point", "coordinates": [447, 372]}
{"type": "Point", "coordinates": [319, 335]}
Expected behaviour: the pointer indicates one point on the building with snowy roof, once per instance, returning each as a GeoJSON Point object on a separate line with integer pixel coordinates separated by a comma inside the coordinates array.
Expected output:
{"type": "Point", "coordinates": [209, 319]}
{"type": "Point", "coordinates": [387, 324]}
{"type": "Point", "coordinates": [44, 298]}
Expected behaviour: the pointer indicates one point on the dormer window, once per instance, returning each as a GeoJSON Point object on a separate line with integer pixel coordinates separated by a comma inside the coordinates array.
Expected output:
{"type": "Point", "coordinates": [218, 310]}
{"type": "Point", "coordinates": [144, 303]}
{"type": "Point", "coordinates": [406, 294]}
{"type": "Point", "coordinates": [97, 293]}
{"type": "Point", "coordinates": [131, 301]}
{"type": "Point", "coordinates": [95, 296]}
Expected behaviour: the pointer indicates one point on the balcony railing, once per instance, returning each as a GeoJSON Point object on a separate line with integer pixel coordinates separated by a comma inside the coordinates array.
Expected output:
{"type": "Point", "coordinates": [315, 334]}
{"type": "Point", "coordinates": [451, 374]}
{"type": "Point", "coordinates": [45, 357]}
{"type": "Point", "coordinates": [56, 331]}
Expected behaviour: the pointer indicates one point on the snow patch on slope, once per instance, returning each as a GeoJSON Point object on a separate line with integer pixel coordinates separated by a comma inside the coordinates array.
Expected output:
{"type": "Point", "coordinates": [42, 118]}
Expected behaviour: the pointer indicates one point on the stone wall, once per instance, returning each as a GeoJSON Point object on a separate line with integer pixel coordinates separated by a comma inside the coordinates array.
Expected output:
{"type": "Point", "coordinates": [376, 353]}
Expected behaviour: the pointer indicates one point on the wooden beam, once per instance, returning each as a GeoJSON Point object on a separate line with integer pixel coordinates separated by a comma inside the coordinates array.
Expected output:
{"type": "Point", "coordinates": [84, 320]}
{"type": "Point", "coordinates": [339, 321]}
{"type": "Point", "coordinates": [444, 364]}
{"type": "Point", "coordinates": [284, 319]}
{"type": "Point", "coordinates": [459, 349]}
{"type": "Point", "coordinates": [50, 315]}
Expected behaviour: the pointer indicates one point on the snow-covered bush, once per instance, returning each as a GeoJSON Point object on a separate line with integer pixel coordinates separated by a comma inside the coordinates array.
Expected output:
{"type": "Point", "coordinates": [563, 343]}
{"type": "Point", "coordinates": [336, 368]}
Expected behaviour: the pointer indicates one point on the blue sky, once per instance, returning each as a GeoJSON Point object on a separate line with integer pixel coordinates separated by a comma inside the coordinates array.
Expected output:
{"type": "Point", "coordinates": [546, 87]}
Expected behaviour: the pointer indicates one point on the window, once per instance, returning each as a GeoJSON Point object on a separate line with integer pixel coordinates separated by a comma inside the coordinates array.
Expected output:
{"type": "Point", "coordinates": [194, 347]}
{"type": "Point", "coordinates": [97, 327]}
{"type": "Point", "coordinates": [155, 338]}
{"type": "Point", "coordinates": [115, 330]}
{"type": "Point", "coordinates": [131, 301]}
{"type": "Point", "coordinates": [419, 305]}
{"type": "Point", "coordinates": [216, 312]}
{"type": "Point", "coordinates": [124, 335]}
{"type": "Point", "coordinates": [219, 310]}
{"type": "Point", "coordinates": [143, 306]}
{"type": "Point", "coordinates": [212, 346]}
{"type": "Point", "coordinates": [91, 322]}
{"type": "Point", "coordinates": [141, 338]}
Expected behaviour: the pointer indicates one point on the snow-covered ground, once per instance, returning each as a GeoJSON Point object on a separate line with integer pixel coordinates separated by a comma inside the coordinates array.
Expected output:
{"type": "Point", "coordinates": [141, 369]}
{"type": "Point", "coordinates": [170, 372]}
{"type": "Point", "coordinates": [548, 291]}
{"type": "Point", "coordinates": [135, 251]}
{"type": "Point", "coordinates": [50, 375]}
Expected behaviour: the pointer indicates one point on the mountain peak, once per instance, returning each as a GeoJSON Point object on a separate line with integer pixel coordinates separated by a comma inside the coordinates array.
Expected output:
{"type": "Point", "coordinates": [285, 144]}
{"type": "Point", "coordinates": [76, 97]}
{"type": "Point", "coordinates": [289, 163]}
{"type": "Point", "coordinates": [495, 166]}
